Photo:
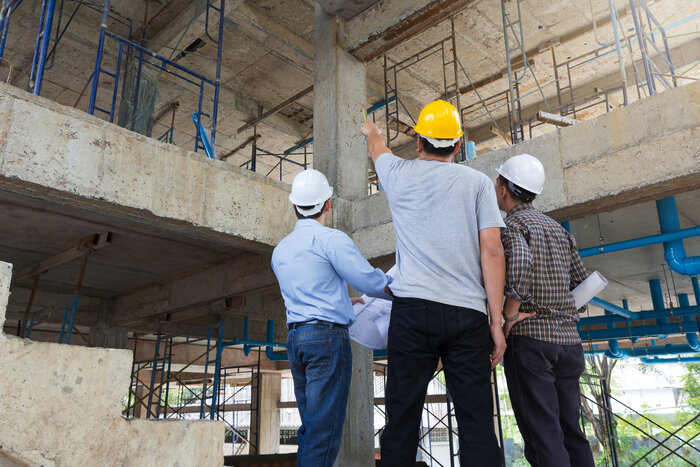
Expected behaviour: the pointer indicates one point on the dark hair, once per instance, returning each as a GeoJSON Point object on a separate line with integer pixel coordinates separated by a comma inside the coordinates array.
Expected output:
{"type": "Point", "coordinates": [312, 216]}
{"type": "Point", "coordinates": [430, 149]}
{"type": "Point", "coordinates": [516, 192]}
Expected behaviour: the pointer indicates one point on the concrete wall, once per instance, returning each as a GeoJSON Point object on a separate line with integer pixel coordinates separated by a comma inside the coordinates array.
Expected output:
{"type": "Point", "coordinates": [644, 151]}
{"type": "Point", "coordinates": [61, 406]}
{"type": "Point", "coordinates": [55, 152]}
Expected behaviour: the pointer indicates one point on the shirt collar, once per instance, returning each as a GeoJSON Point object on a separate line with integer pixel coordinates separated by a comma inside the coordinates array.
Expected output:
{"type": "Point", "coordinates": [520, 207]}
{"type": "Point", "coordinates": [303, 223]}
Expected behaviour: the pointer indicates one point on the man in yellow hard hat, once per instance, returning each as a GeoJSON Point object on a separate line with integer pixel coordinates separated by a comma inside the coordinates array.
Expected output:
{"type": "Point", "coordinates": [450, 266]}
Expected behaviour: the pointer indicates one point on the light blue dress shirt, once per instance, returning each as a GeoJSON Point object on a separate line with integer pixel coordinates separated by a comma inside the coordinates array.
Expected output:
{"type": "Point", "coordinates": [312, 265]}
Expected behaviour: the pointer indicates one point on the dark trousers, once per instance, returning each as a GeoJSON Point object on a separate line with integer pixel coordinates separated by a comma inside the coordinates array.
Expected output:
{"type": "Point", "coordinates": [544, 391]}
{"type": "Point", "coordinates": [420, 333]}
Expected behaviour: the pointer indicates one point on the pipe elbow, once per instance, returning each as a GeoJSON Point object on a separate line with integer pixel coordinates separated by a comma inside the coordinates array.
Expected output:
{"type": "Point", "coordinates": [275, 356]}
{"type": "Point", "coordinates": [693, 341]}
{"type": "Point", "coordinates": [680, 263]}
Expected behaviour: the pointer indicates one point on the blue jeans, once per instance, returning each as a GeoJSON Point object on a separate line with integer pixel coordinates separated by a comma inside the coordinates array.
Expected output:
{"type": "Point", "coordinates": [321, 362]}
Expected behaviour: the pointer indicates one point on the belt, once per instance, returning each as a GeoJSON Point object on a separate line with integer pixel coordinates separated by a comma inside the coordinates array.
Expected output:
{"type": "Point", "coordinates": [316, 321]}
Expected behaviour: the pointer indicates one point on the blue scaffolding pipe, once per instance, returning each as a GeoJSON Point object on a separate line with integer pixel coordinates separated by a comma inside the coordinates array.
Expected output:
{"type": "Point", "coordinates": [42, 45]}
{"type": "Point", "coordinates": [299, 145]}
{"type": "Point", "coordinates": [8, 6]}
{"type": "Point", "coordinates": [268, 153]}
{"type": "Point", "coordinates": [203, 136]}
{"type": "Point", "coordinates": [640, 242]}
{"type": "Point", "coordinates": [98, 59]}
{"type": "Point", "coordinates": [674, 251]}
{"type": "Point", "coordinates": [378, 106]}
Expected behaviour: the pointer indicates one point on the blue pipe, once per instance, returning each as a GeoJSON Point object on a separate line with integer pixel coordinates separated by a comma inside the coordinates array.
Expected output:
{"type": "Point", "coordinates": [614, 351]}
{"type": "Point", "coordinates": [659, 361]}
{"type": "Point", "coordinates": [269, 351]}
{"type": "Point", "coordinates": [663, 329]}
{"type": "Point", "coordinates": [641, 315]}
{"type": "Point", "coordinates": [696, 289]}
{"type": "Point", "coordinates": [674, 251]}
{"type": "Point", "coordinates": [640, 242]}
{"type": "Point", "coordinates": [619, 311]}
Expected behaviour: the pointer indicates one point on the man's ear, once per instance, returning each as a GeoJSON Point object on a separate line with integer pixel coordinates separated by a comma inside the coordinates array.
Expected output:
{"type": "Point", "coordinates": [457, 146]}
{"type": "Point", "coordinates": [327, 206]}
{"type": "Point", "coordinates": [419, 145]}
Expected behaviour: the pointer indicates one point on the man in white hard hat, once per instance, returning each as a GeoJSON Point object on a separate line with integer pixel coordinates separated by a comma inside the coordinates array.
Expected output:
{"type": "Point", "coordinates": [313, 265]}
{"type": "Point", "coordinates": [450, 266]}
{"type": "Point", "coordinates": [544, 359]}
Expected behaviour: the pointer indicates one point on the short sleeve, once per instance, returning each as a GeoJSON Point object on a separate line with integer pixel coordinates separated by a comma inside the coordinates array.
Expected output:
{"type": "Point", "coordinates": [487, 213]}
{"type": "Point", "coordinates": [385, 166]}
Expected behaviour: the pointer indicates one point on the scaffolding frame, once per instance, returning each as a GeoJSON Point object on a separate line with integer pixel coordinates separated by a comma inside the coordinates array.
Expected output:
{"type": "Point", "coordinates": [446, 49]}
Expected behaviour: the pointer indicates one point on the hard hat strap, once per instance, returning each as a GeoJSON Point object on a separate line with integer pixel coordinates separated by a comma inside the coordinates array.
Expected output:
{"type": "Point", "coordinates": [521, 193]}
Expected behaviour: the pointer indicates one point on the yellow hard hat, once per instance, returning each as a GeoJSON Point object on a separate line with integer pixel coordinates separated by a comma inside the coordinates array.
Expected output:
{"type": "Point", "coordinates": [440, 120]}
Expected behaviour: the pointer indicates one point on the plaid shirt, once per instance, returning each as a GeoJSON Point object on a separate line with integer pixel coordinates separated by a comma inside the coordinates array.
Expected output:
{"type": "Point", "coordinates": [542, 267]}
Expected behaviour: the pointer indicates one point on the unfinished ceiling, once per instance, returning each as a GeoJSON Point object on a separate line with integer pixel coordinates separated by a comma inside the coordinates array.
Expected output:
{"type": "Point", "coordinates": [268, 57]}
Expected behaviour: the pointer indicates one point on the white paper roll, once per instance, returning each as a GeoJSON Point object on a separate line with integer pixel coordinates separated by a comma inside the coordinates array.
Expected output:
{"type": "Point", "coordinates": [588, 289]}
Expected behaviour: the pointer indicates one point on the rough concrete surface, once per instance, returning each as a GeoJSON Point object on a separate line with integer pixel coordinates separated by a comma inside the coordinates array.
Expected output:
{"type": "Point", "coordinates": [86, 160]}
{"type": "Point", "coordinates": [66, 410]}
{"type": "Point", "coordinates": [644, 151]}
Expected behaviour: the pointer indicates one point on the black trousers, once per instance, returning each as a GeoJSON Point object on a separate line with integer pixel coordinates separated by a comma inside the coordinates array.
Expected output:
{"type": "Point", "coordinates": [420, 333]}
{"type": "Point", "coordinates": [544, 390]}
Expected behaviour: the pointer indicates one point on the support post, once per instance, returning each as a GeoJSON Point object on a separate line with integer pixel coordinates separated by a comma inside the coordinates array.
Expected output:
{"type": "Point", "coordinates": [339, 152]}
{"type": "Point", "coordinates": [268, 423]}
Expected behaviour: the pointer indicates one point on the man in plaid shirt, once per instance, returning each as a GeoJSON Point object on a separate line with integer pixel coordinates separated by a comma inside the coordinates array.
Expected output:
{"type": "Point", "coordinates": [544, 357]}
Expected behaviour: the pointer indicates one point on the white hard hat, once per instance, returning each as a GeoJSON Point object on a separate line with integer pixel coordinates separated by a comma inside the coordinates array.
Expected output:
{"type": "Point", "coordinates": [310, 188]}
{"type": "Point", "coordinates": [525, 171]}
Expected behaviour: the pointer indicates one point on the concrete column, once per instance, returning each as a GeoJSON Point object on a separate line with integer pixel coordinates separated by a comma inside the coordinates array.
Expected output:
{"type": "Point", "coordinates": [339, 96]}
{"type": "Point", "coordinates": [340, 153]}
{"type": "Point", "coordinates": [105, 334]}
{"type": "Point", "coordinates": [269, 413]}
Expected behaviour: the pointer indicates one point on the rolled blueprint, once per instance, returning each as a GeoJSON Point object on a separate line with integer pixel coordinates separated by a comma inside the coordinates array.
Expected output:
{"type": "Point", "coordinates": [588, 289]}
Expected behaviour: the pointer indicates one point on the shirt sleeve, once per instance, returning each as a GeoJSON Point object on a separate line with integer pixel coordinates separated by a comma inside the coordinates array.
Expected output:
{"type": "Point", "coordinates": [519, 265]}
{"type": "Point", "coordinates": [349, 263]}
{"type": "Point", "coordinates": [386, 166]}
{"type": "Point", "coordinates": [487, 213]}
{"type": "Point", "coordinates": [577, 269]}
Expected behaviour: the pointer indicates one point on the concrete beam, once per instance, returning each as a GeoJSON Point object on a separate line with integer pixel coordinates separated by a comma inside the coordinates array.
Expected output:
{"type": "Point", "coordinates": [389, 22]}
{"type": "Point", "coordinates": [80, 160]}
{"type": "Point", "coordinates": [247, 275]}
{"type": "Point", "coordinates": [637, 153]}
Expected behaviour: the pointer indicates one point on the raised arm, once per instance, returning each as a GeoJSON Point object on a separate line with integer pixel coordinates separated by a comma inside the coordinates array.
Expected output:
{"type": "Point", "coordinates": [493, 267]}
{"type": "Point", "coordinates": [375, 142]}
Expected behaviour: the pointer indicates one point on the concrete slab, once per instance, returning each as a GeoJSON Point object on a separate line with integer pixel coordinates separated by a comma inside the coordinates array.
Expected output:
{"type": "Point", "coordinates": [87, 162]}
{"type": "Point", "coordinates": [66, 410]}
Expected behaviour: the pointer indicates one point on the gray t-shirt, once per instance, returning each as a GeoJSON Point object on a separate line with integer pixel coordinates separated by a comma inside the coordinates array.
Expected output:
{"type": "Point", "coordinates": [438, 210]}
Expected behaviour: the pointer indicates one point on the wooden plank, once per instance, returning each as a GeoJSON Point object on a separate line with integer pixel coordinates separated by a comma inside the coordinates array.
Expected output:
{"type": "Point", "coordinates": [276, 109]}
{"type": "Point", "coordinates": [92, 243]}
{"type": "Point", "coordinates": [554, 119]}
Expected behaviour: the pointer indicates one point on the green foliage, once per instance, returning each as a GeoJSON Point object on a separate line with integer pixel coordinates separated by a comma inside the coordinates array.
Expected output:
{"type": "Point", "coordinates": [691, 386]}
